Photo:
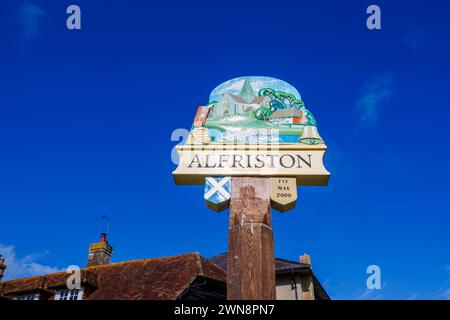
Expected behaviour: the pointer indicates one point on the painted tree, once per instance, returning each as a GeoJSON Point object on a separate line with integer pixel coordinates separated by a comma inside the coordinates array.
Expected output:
{"type": "Point", "coordinates": [263, 113]}
{"type": "Point", "coordinates": [280, 99]}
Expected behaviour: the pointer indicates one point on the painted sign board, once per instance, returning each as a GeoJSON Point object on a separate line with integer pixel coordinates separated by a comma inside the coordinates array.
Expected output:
{"type": "Point", "coordinates": [304, 163]}
{"type": "Point", "coordinates": [253, 126]}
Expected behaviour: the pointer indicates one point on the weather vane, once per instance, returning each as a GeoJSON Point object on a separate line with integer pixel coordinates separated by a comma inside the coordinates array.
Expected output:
{"type": "Point", "coordinates": [109, 221]}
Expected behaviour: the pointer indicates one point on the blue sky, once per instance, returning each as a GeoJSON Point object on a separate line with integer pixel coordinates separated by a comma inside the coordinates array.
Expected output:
{"type": "Point", "coordinates": [86, 118]}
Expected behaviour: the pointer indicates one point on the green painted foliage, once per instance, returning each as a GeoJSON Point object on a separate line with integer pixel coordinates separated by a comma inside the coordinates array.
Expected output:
{"type": "Point", "coordinates": [262, 113]}
{"type": "Point", "coordinates": [280, 99]}
{"type": "Point", "coordinates": [311, 120]}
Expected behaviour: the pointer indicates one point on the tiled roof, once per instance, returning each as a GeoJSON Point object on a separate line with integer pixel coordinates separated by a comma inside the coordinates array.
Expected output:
{"type": "Point", "coordinates": [237, 98]}
{"type": "Point", "coordinates": [280, 264]}
{"type": "Point", "coordinates": [259, 99]}
{"type": "Point", "coordinates": [148, 279]}
{"type": "Point", "coordinates": [220, 260]}
{"type": "Point", "coordinates": [284, 113]}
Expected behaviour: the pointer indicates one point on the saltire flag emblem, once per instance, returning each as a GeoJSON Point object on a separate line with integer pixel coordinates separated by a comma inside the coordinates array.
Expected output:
{"type": "Point", "coordinates": [217, 192]}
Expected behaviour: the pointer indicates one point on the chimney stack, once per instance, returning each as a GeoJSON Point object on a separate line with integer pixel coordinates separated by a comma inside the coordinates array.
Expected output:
{"type": "Point", "coordinates": [2, 267]}
{"type": "Point", "coordinates": [100, 252]}
{"type": "Point", "coordinates": [305, 258]}
{"type": "Point", "coordinates": [307, 280]}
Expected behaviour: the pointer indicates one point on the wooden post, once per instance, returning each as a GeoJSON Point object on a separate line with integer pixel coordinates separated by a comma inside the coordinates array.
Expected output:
{"type": "Point", "coordinates": [251, 262]}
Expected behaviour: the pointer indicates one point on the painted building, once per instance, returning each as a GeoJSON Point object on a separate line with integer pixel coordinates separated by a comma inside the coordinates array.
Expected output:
{"type": "Point", "coordinates": [286, 117]}
{"type": "Point", "coordinates": [245, 102]}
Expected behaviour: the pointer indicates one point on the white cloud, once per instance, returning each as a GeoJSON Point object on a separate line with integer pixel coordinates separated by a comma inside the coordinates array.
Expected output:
{"type": "Point", "coordinates": [368, 294]}
{"type": "Point", "coordinates": [26, 266]}
{"type": "Point", "coordinates": [347, 291]}
{"type": "Point", "coordinates": [443, 294]}
{"type": "Point", "coordinates": [447, 269]}
{"type": "Point", "coordinates": [374, 94]}
{"type": "Point", "coordinates": [414, 296]}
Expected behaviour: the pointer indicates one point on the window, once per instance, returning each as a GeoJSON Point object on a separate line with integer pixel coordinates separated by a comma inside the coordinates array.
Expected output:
{"type": "Point", "coordinates": [31, 296]}
{"type": "Point", "coordinates": [69, 294]}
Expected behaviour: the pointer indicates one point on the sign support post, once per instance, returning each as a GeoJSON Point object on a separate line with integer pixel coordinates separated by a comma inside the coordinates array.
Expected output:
{"type": "Point", "coordinates": [251, 262]}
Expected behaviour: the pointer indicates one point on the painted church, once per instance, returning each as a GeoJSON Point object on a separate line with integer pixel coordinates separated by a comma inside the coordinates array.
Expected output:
{"type": "Point", "coordinates": [245, 102]}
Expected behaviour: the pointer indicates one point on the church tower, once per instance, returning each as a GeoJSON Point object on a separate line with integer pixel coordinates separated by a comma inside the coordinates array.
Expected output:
{"type": "Point", "coordinates": [247, 92]}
